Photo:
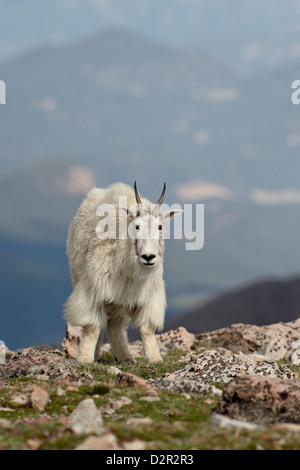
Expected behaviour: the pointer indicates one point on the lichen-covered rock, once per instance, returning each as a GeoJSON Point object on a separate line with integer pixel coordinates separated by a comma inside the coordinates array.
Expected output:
{"type": "Point", "coordinates": [221, 365]}
{"type": "Point", "coordinates": [176, 339]}
{"type": "Point", "coordinates": [261, 399]}
{"type": "Point", "coordinates": [179, 385]}
{"type": "Point", "coordinates": [218, 366]}
{"type": "Point", "coordinates": [37, 361]}
{"type": "Point", "coordinates": [274, 341]}
{"type": "Point", "coordinates": [71, 378]}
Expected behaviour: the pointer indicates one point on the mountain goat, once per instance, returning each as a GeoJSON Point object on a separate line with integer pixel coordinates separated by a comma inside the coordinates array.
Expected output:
{"type": "Point", "coordinates": [117, 280]}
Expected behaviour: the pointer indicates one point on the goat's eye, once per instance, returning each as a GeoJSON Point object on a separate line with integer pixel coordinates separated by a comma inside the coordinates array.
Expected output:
{"type": "Point", "coordinates": [160, 227]}
{"type": "Point", "coordinates": [137, 227]}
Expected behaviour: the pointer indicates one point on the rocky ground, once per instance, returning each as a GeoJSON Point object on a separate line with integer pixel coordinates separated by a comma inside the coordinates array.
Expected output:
{"type": "Point", "coordinates": [233, 388]}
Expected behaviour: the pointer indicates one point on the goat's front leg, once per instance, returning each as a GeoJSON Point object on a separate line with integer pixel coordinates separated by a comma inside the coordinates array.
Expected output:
{"type": "Point", "coordinates": [151, 349]}
{"type": "Point", "coordinates": [88, 343]}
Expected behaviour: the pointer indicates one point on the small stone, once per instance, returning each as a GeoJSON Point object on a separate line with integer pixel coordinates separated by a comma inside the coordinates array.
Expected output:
{"type": "Point", "coordinates": [131, 380]}
{"type": "Point", "coordinates": [72, 388]}
{"type": "Point", "coordinates": [43, 377]}
{"type": "Point", "coordinates": [106, 442]}
{"type": "Point", "coordinates": [86, 418]}
{"type": "Point", "coordinates": [113, 370]}
{"type": "Point", "coordinates": [19, 400]}
{"type": "Point", "coordinates": [33, 444]}
{"type": "Point", "coordinates": [5, 423]}
{"type": "Point", "coordinates": [139, 421]}
{"type": "Point", "coordinates": [186, 395]}
{"type": "Point", "coordinates": [39, 398]}
{"type": "Point", "coordinates": [60, 392]}
{"type": "Point", "coordinates": [150, 399]}
{"type": "Point", "coordinates": [208, 401]}
{"type": "Point", "coordinates": [136, 444]}
{"type": "Point", "coordinates": [225, 422]}
{"type": "Point", "coordinates": [114, 404]}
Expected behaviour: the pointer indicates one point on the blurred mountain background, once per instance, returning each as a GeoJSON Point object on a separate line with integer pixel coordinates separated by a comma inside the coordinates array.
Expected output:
{"type": "Point", "coordinates": [196, 93]}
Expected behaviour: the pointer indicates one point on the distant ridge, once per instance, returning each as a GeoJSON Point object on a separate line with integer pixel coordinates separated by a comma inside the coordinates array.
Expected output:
{"type": "Point", "coordinates": [262, 303]}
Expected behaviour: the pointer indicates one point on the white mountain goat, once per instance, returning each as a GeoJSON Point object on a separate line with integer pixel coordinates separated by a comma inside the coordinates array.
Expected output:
{"type": "Point", "coordinates": [117, 280]}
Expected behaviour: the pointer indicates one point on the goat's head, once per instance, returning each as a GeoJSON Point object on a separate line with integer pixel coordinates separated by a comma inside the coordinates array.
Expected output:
{"type": "Point", "coordinates": [146, 228]}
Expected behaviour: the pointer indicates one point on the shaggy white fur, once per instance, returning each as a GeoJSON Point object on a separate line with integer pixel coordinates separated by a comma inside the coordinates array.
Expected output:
{"type": "Point", "coordinates": [112, 287]}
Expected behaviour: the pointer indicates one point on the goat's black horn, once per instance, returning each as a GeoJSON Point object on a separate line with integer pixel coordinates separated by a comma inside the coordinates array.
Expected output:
{"type": "Point", "coordinates": [137, 196]}
{"type": "Point", "coordinates": [160, 201]}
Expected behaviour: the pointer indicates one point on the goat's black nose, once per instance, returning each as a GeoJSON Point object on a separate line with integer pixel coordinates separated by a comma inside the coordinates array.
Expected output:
{"type": "Point", "coordinates": [148, 258]}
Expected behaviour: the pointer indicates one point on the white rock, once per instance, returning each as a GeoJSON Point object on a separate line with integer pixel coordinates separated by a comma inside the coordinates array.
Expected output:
{"type": "Point", "coordinates": [86, 418]}
{"type": "Point", "coordinates": [225, 422]}
{"type": "Point", "coordinates": [295, 358]}
{"type": "Point", "coordinates": [150, 399]}
{"type": "Point", "coordinates": [114, 370]}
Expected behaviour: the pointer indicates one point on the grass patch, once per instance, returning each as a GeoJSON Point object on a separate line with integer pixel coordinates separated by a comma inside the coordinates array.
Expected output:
{"type": "Point", "coordinates": [67, 441]}
{"type": "Point", "coordinates": [153, 371]}
{"type": "Point", "coordinates": [98, 389]}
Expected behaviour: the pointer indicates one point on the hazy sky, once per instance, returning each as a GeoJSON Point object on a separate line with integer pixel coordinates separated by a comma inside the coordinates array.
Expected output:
{"type": "Point", "coordinates": [222, 27]}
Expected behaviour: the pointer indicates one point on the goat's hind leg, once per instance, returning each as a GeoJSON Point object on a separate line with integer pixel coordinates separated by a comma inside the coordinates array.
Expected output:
{"type": "Point", "coordinates": [116, 328]}
{"type": "Point", "coordinates": [98, 347]}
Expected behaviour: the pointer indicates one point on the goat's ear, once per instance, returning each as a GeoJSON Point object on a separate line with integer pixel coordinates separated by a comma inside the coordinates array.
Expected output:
{"type": "Point", "coordinates": [134, 211]}
{"type": "Point", "coordinates": [168, 215]}
{"type": "Point", "coordinates": [129, 213]}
